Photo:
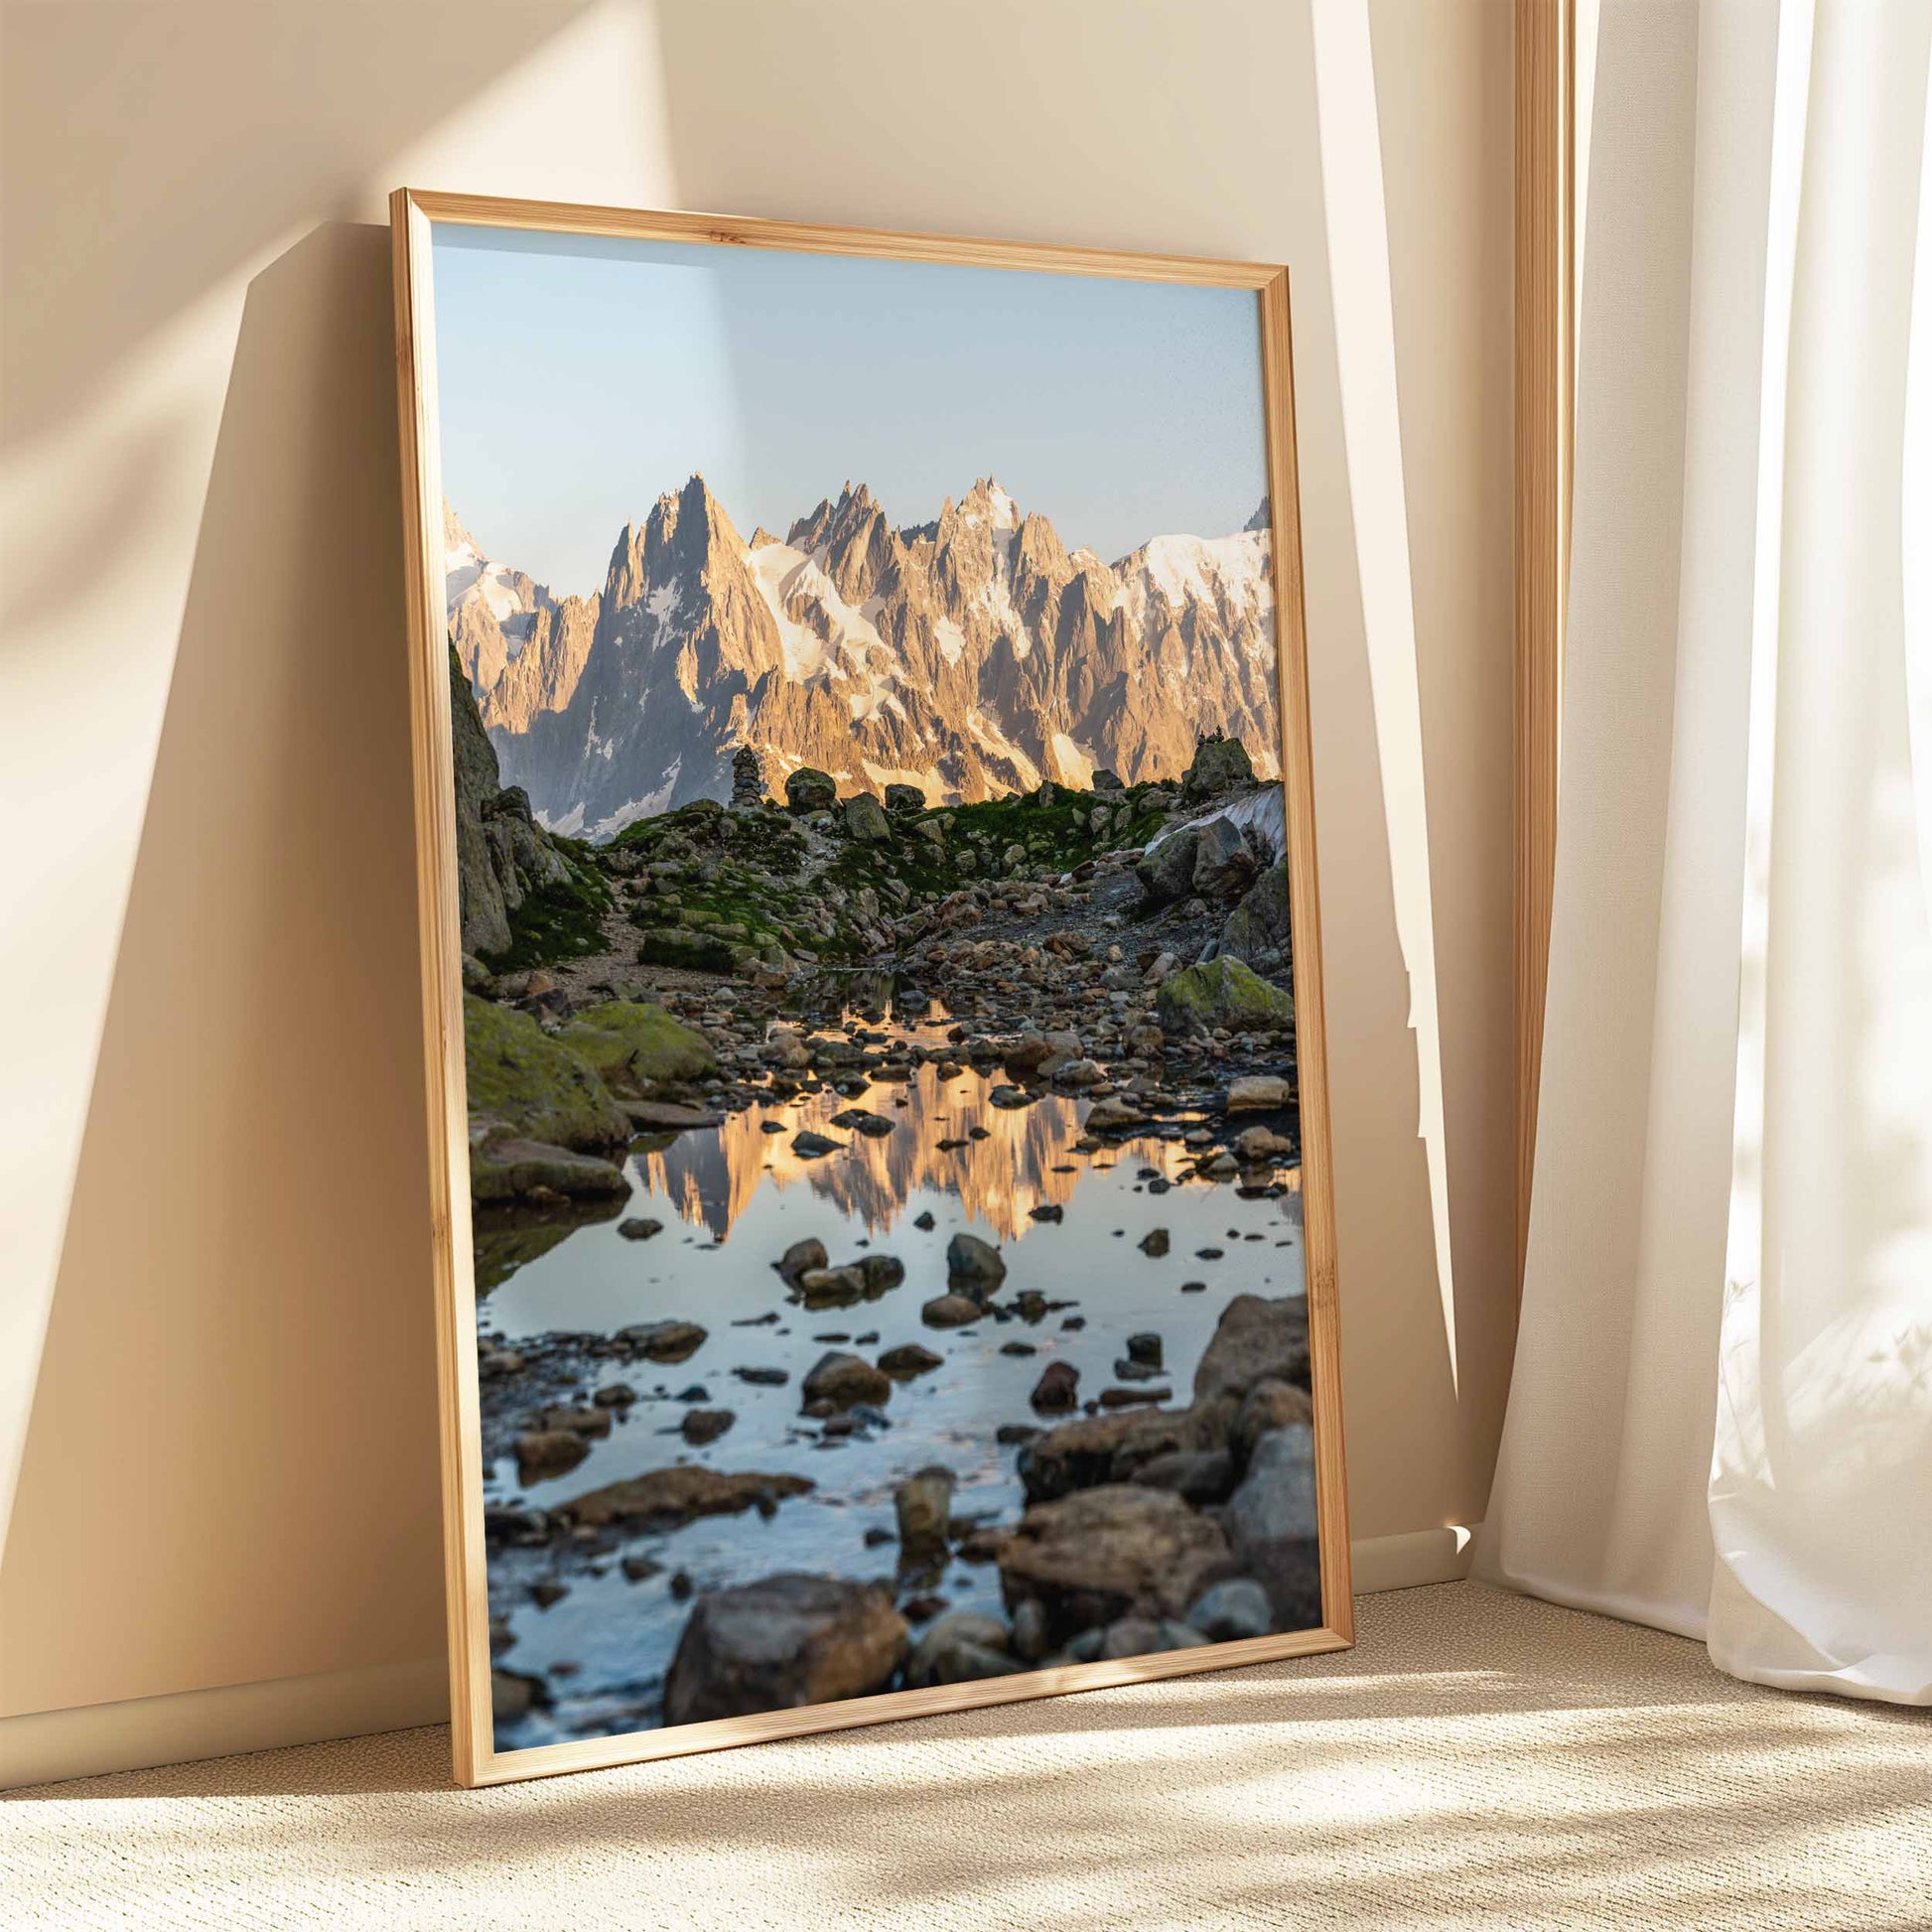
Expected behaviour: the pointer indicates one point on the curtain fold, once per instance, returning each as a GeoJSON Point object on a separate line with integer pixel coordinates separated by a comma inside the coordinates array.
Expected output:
{"type": "Point", "coordinates": [1720, 1421]}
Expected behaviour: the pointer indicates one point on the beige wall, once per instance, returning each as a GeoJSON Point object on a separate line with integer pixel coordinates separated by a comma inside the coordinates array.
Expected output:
{"type": "Point", "coordinates": [214, 1332]}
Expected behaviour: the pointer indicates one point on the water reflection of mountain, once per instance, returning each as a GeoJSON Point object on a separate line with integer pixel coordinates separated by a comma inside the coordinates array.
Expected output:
{"type": "Point", "coordinates": [709, 1179]}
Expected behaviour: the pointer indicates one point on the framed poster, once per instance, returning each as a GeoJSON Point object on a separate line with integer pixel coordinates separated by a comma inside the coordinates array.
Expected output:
{"type": "Point", "coordinates": [883, 1252]}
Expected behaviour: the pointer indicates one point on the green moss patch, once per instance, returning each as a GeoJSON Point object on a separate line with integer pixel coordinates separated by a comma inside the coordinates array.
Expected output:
{"type": "Point", "coordinates": [538, 1088]}
{"type": "Point", "coordinates": [634, 1050]}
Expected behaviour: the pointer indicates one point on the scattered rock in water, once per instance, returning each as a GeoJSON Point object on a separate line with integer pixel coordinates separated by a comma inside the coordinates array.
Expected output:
{"type": "Point", "coordinates": [862, 1120]}
{"type": "Point", "coordinates": [950, 1311]}
{"type": "Point", "coordinates": [505, 1170]}
{"type": "Point", "coordinates": [1144, 1348]}
{"type": "Point", "coordinates": [1228, 1611]}
{"type": "Point", "coordinates": [1141, 1636]}
{"type": "Point", "coordinates": [702, 1426]}
{"type": "Point", "coordinates": [781, 1643]}
{"type": "Point", "coordinates": [1058, 1387]}
{"type": "Point", "coordinates": [589, 1421]}
{"type": "Point", "coordinates": [1209, 1254]}
{"type": "Point", "coordinates": [662, 1117]}
{"type": "Point", "coordinates": [1155, 1243]}
{"type": "Point", "coordinates": [881, 1272]}
{"type": "Point", "coordinates": [1193, 1288]}
{"type": "Point", "coordinates": [800, 1255]}
{"type": "Point", "coordinates": [845, 1379]}
{"type": "Point", "coordinates": [640, 1227]}
{"type": "Point", "coordinates": [813, 1146]}
{"type": "Point", "coordinates": [1047, 1211]}
{"type": "Point", "coordinates": [923, 1221]}
{"type": "Point", "coordinates": [922, 1505]}
{"type": "Point", "coordinates": [959, 1647]}
{"type": "Point", "coordinates": [1113, 1115]}
{"type": "Point", "coordinates": [547, 1590]}
{"type": "Point", "coordinates": [973, 1267]}
{"type": "Point", "coordinates": [614, 1394]}
{"type": "Point", "coordinates": [1198, 1476]}
{"type": "Point", "coordinates": [763, 1378]}
{"type": "Point", "coordinates": [1257, 1093]}
{"type": "Point", "coordinates": [680, 1585]}
{"type": "Point", "coordinates": [638, 1569]}
{"type": "Point", "coordinates": [1220, 1166]}
{"type": "Point", "coordinates": [681, 1492]}
{"type": "Point", "coordinates": [661, 1342]}
{"type": "Point", "coordinates": [1255, 1144]}
{"type": "Point", "coordinates": [909, 1359]}
{"type": "Point", "coordinates": [1010, 1432]}
{"type": "Point", "coordinates": [1099, 1554]}
{"type": "Point", "coordinates": [543, 1453]}
{"type": "Point", "coordinates": [1133, 1398]}
{"type": "Point", "coordinates": [1019, 1348]}
{"type": "Point", "coordinates": [832, 1287]}
{"type": "Point", "coordinates": [1009, 1098]}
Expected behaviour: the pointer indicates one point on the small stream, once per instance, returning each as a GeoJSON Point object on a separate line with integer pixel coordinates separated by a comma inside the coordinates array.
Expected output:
{"type": "Point", "coordinates": [733, 1199]}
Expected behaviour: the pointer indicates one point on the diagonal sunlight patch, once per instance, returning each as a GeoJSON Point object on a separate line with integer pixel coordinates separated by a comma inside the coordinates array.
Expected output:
{"type": "Point", "coordinates": [1364, 303]}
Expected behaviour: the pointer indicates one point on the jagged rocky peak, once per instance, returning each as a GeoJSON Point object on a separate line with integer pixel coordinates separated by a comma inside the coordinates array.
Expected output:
{"type": "Point", "coordinates": [1263, 519]}
{"type": "Point", "coordinates": [686, 532]}
{"type": "Point", "coordinates": [851, 540]}
{"type": "Point", "coordinates": [988, 502]}
{"type": "Point", "coordinates": [455, 536]}
{"type": "Point", "coordinates": [973, 656]}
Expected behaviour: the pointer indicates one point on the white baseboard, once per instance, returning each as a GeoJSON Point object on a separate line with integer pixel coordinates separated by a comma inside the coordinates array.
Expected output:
{"type": "Point", "coordinates": [133, 1734]}
{"type": "Point", "coordinates": [137, 1732]}
{"type": "Point", "coordinates": [1409, 1561]}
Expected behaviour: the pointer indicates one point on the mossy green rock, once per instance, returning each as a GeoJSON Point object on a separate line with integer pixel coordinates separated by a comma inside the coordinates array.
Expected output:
{"type": "Point", "coordinates": [536, 1088]}
{"type": "Point", "coordinates": [634, 1050]}
{"type": "Point", "coordinates": [1223, 993]}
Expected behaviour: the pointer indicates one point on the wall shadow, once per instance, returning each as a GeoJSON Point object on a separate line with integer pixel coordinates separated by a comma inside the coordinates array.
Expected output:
{"type": "Point", "coordinates": [230, 1465]}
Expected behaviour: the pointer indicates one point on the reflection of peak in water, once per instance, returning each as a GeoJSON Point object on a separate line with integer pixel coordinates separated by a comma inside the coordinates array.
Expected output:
{"type": "Point", "coordinates": [711, 1178]}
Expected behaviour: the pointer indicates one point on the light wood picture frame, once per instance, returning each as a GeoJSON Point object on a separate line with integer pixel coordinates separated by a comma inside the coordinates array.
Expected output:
{"type": "Point", "coordinates": [579, 966]}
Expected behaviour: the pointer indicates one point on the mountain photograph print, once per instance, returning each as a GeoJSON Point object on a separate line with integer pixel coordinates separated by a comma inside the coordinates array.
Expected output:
{"type": "Point", "coordinates": [879, 902]}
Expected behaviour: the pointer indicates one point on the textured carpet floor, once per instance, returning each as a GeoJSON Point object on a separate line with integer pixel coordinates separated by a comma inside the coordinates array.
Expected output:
{"type": "Point", "coordinates": [1478, 1760]}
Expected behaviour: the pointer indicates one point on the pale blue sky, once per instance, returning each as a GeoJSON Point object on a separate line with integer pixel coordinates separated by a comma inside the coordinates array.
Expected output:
{"type": "Point", "coordinates": [581, 378]}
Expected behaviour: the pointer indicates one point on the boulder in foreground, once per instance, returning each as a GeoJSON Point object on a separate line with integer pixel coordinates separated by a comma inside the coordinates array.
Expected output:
{"type": "Point", "coordinates": [1100, 1555]}
{"type": "Point", "coordinates": [781, 1643]}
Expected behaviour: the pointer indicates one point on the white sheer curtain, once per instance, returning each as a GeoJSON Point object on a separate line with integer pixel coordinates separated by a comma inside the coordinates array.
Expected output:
{"type": "Point", "coordinates": [1720, 1421]}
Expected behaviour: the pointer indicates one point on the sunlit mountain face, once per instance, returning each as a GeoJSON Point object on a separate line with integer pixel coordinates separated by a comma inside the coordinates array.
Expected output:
{"type": "Point", "coordinates": [971, 655]}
